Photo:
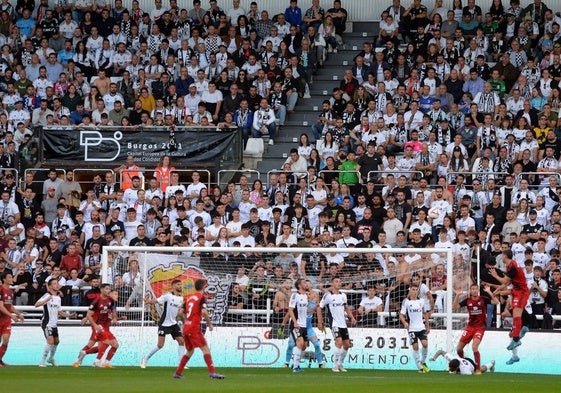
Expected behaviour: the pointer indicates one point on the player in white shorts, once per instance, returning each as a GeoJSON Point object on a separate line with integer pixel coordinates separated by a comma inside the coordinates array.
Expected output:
{"type": "Point", "coordinates": [172, 302]}
{"type": "Point", "coordinates": [51, 303]}
{"type": "Point", "coordinates": [336, 303]}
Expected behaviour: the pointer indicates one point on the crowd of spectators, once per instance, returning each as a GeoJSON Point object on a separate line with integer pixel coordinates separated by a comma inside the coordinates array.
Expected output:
{"type": "Point", "coordinates": [443, 132]}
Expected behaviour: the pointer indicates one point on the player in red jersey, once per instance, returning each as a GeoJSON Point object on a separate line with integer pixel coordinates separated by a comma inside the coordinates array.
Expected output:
{"type": "Point", "coordinates": [7, 313]}
{"type": "Point", "coordinates": [101, 315]}
{"type": "Point", "coordinates": [520, 293]}
{"type": "Point", "coordinates": [477, 322]}
{"type": "Point", "coordinates": [195, 309]}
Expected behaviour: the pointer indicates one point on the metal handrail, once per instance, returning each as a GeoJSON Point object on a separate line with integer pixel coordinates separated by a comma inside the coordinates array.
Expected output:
{"type": "Point", "coordinates": [34, 171]}
{"type": "Point", "coordinates": [357, 172]}
{"type": "Point", "coordinates": [279, 171]}
{"type": "Point", "coordinates": [244, 171]}
{"type": "Point", "coordinates": [395, 172]}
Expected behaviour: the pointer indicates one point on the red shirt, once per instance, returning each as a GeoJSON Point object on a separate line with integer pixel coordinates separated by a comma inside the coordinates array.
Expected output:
{"type": "Point", "coordinates": [103, 311]}
{"type": "Point", "coordinates": [194, 305]}
{"type": "Point", "coordinates": [71, 262]}
{"type": "Point", "coordinates": [517, 276]}
{"type": "Point", "coordinates": [477, 310]}
{"type": "Point", "coordinates": [7, 298]}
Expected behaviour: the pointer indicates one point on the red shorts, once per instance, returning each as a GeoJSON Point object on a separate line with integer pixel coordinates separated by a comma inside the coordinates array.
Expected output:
{"type": "Point", "coordinates": [520, 298]}
{"type": "Point", "coordinates": [194, 339]}
{"type": "Point", "coordinates": [6, 327]}
{"type": "Point", "coordinates": [104, 335]}
{"type": "Point", "coordinates": [472, 332]}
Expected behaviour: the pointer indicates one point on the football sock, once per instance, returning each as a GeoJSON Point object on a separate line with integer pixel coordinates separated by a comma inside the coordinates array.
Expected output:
{"type": "Point", "coordinates": [152, 352]}
{"type": "Point", "coordinates": [461, 353]}
{"type": "Point", "coordinates": [101, 351]}
{"type": "Point", "coordinates": [3, 350]}
{"type": "Point", "coordinates": [45, 352]}
{"type": "Point", "coordinates": [489, 365]}
{"type": "Point", "coordinates": [289, 350]}
{"type": "Point", "coordinates": [90, 350]}
{"type": "Point", "coordinates": [423, 354]}
{"type": "Point", "coordinates": [319, 355]}
{"type": "Point", "coordinates": [515, 352]}
{"type": "Point", "coordinates": [516, 326]}
{"type": "Point", "coordinates": [477, 359]}
{"type": "Point", "coordinates": [416, 356]}
{"type": "Point", "coordinates": [53, 350]}
{"type": "Point", "coordinates": [297, 355]}
{"type": "Point", "coordinates": [209, 364]}
{"type": "Point", "coordinates": [336, 355]}
{"type": "Point", "coordinates": [182, 364]}
{"type": "Point", "coordinates": [181, 350]}
{"type": "Point", "coordinates": [342, 355]}
{"type": "Point", "coordinates": [111, 353]}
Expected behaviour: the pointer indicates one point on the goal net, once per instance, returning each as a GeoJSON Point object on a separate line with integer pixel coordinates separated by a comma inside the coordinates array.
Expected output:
{"type": "Point", "coordinates": [250, 287]}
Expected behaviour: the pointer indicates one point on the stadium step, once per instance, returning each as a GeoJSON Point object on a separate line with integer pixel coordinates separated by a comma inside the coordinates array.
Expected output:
{"type": "Point", "coordinates": [307, 108]}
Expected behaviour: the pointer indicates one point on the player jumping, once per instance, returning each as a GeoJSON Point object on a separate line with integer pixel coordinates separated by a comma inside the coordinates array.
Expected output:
{"type": "Point", "coordinates": [520, 293]}
{"type": "Point", "coordinates": [195, 310]}
{"type": "Point", "coordinates": [477, 322]}
{"type": "Point", "coordinates": [172, 302]}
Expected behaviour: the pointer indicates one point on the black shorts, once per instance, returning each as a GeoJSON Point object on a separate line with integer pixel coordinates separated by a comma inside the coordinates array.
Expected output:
{"type": "Point", "coordinates": [299, 332]}
{"type": "Point", "coordinates": [50, 331]}
{"type": "Point", "coordinates": [172, 330]}
{"type": "Point", "coordinates": [416, 336]}
{"type": "Point", "coordinates": [342, 333]}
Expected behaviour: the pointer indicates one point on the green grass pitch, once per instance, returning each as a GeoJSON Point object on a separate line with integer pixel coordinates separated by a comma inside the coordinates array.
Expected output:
{"type": "Point", "coordinates": [266, 380]}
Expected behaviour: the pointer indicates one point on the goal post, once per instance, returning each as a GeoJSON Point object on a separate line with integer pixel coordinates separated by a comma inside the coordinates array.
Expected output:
{"type": "Point", "coordinates": [179, 262]}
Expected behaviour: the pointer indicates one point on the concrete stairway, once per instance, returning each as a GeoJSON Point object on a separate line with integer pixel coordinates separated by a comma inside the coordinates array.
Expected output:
{"type": "Point", "coordinates": [306, 112]}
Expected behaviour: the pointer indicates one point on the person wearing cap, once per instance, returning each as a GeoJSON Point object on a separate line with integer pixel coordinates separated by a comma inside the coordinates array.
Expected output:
{"type": "Point", "coordinates": [533, 228]}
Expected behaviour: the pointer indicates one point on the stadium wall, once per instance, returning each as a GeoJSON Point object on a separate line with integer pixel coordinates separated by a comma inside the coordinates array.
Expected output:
{"type": "Point", "coordinates": [376, 349]}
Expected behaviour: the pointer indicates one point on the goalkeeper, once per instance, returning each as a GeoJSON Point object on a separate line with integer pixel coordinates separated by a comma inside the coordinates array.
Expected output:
{"type": "Point", "coordinates": [463, 366]}
{"type": "Point", "coordinates": [313, 307]}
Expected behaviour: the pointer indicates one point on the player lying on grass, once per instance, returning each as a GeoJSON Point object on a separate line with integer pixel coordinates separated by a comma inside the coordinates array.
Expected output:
{"type": "Point", "coordinates": [463, 366]}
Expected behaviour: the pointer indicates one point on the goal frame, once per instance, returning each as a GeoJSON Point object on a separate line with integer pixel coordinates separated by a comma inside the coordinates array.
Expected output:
{"type": "Point", "coordinates": [167, 249]}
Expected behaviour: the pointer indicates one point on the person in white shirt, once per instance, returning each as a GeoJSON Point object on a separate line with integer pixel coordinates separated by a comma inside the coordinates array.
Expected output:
{"type": "Point", "coordinates": [336, 303]}
{"type": "Point", "coordinates": [415, 319]}
{"type": "Point", "coordinates": [264, 121]}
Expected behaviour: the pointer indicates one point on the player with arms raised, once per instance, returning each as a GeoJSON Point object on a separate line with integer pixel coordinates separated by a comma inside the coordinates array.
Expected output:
{"type": "Point", "coordinates": [520, 293]}
{"type": "Point", "coordinates": [172, 302]}
{"type": "Point", "coordinates": [477, 322]}
{"type": "Point", "coordinates": [7, 313]}
{"type": "Point", "coordinates": [337, 307]}
{"type": "Point", "coordinates": [415, 318]}
{"type": "Point", "coordinates": [195, 310]}
{"type": "Point", "coordinates": [52, 304]}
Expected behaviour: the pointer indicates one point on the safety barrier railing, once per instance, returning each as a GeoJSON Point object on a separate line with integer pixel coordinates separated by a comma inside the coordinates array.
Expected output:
{"type": "Point", "coordinates": [393, 172]}
{"type": "Point", "coordinates": [293, 175]}
{"type": "Point", "coordinates": [338, 172]}
{"type": "Point", "coordinates": [223, 176]}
